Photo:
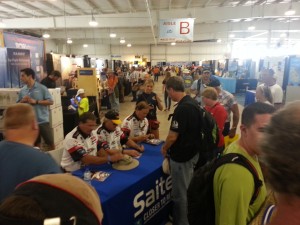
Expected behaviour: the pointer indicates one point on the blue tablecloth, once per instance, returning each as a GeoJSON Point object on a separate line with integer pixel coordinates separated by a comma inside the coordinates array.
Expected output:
{"type": "Point", "coordinates": [135, 197]}
{"type": "Point", "coordinates": [249, 97]}
{"type": "Point", "coordinates": [228, 84]}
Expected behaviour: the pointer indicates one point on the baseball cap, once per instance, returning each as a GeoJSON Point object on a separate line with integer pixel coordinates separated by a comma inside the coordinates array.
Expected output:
{"type": "Point", "coordinates": [214, 83]}
{"type": "Point", "coordinates": [80, 91]}
{"type": "Point", "coordinates": [113, 115]}
{"type": "Point", "coordinates": [205, 69]}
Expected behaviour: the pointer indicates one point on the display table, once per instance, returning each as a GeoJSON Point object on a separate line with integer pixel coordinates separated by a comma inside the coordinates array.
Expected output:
{"type": "Point", "coordinates": [228, 84]}
{"type": "Point", "coordinates": [249, 97]}
{"type": "Point", "coordinates": [138, 196]}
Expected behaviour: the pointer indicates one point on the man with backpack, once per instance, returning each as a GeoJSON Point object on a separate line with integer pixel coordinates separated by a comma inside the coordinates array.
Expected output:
{"type": "Point", "coordinates": [233, 184]}
{"type": "Point", "coordinates": [182, 145]}
{"type": "Point", "coordinates": [199, 85]}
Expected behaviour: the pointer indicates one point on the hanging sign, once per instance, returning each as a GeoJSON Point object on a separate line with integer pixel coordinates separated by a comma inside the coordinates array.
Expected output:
{"type": "Point", "coordinates": [176, 30]}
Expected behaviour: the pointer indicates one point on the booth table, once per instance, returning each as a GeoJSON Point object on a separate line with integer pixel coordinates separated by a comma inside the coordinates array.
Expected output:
{"type": "Point", "coordinates": [249, 97]}
{"type": "Point", "coordinates": [228, 84]}
{"type": "Point", "coordinates": [135, 197]}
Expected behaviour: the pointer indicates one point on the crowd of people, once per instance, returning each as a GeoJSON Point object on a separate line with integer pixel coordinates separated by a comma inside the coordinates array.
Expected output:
{"type": "Point", "coordinates": [269, 136]}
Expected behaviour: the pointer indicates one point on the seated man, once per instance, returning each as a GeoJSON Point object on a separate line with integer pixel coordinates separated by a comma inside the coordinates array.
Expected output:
{"type": "Point", "coordinates": [136, 126]}
{"type": "Point", "coordinates": [81, 146]}
{"type": "Point", "coordinates": [111, 134]}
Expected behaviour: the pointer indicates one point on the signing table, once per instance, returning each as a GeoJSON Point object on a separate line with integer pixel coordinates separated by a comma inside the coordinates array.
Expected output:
{"type": "Point", "coordinates": [135, 197]}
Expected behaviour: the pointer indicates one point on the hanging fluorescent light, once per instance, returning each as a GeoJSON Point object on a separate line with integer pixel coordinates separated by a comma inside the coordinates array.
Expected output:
{"type": "Point", "coordinates": [112, 35]}
{"type": "Point", "coordinates": [128, 45]}
{"type": "Point", "coordinates": [93, 22]}
{"type": "Point", "coordinates": [2, 24]}
{"type": "Point", "coordinates": [46, 35]}
{"type": "Point", "coordinates": [69, 41]}
{"type": "Point", "coordinates": [173, 43]}
{"type": "Point", "coordinates": [283, 35]}
{"type": "Point", "coordinates": [219, 41]}
{"type": "Point", "coordinates": [251, 28]}
{"type": "Point", "coordinates": [231, 35]}
{"type": "Point", "coordinates": [85, 45]}
{"type": "Point", "coordinates": [290, 12]}
{"type": "Point", "coordinates": [122, 40]}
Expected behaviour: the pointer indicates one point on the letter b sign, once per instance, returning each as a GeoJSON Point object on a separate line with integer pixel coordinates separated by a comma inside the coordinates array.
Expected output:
{"type": "Point", "coordinates": [184, 27]}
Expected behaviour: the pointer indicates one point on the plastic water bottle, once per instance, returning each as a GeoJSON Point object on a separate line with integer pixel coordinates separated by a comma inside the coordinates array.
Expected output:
{"type": "Point", "coordinates": [87, 176]}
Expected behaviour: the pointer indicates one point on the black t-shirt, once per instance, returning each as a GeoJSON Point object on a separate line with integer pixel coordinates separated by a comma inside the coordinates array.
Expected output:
{"type": "Point", "coordinates": [151, 100]}
{"type": "Point", "coordinates": [48, 82]}
{"type": "Point", "coordinates": [186, 122]}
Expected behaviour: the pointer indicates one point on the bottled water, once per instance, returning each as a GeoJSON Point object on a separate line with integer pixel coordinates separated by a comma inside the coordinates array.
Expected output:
{"type": "Point", "coordinates": [87, 176]}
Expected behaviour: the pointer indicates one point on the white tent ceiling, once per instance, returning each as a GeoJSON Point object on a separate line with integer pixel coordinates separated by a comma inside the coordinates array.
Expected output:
{"type": "Point", "coordinates": [137, 20]}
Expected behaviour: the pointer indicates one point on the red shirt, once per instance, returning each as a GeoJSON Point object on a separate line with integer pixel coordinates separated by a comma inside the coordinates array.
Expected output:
{"type": "Point", "coordinates": [219, 113]}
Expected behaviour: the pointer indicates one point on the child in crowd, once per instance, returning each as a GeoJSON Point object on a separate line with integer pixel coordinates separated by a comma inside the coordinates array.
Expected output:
{"type": "Point", "coordinates": [154, 102]}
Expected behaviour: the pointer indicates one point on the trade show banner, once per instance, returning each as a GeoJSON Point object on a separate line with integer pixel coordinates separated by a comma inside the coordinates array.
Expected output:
{"type": "Point", "coordinates": [3, 69]}
{"type": "Point", "coordinates": [17, 59]}
{"type": "Point", "coordinates": [176, 30]}
{"type": "Point", "coordinates": [34, 44]}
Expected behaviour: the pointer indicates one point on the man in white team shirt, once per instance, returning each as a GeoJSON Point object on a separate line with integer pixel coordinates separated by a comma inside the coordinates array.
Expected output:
{"type": "Point", "coordinates": [81, 146]}
{"type": "Point", "coordinates": [268, 79]}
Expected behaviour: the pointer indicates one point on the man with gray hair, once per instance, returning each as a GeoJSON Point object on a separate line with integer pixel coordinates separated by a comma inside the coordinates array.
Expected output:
{"type": "Point", "coordinates": [280, 152]}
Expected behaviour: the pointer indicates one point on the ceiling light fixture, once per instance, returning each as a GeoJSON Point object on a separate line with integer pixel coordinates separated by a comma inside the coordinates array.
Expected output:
{"type": "Point", "coordinates": [93, 22]}
{"type": "Point", "coordinates": [112, 35]}
{"type": "Point", "coordinates": [173, 43]}
{"type": "Point", "coordinates": [122, 40]}
{"type": "Point", "coordinates": [283, 35]}
{"type": "Point", "coordinates": [128, 45]}
{"type": "Point", "coordinates": [231, 35]}
{"type": "Point", "coordinates": [290, 11]}
{"type": "Point", "coordinates": [69, 41]}
{"type": "Point", "coordinates": [251, 28]}
{"type": "Point", "coordinates": [219, 41]}
{"type": "Point", "coordinates": [85, 45]}
{"type": "Point", "coordinates": [2, 24]}
{"type": "Point", "coordinates": [46, 35]}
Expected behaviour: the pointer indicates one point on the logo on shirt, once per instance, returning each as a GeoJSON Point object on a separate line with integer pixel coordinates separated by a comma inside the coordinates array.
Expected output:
{"type": "Point", "coordinates": [174, 124]}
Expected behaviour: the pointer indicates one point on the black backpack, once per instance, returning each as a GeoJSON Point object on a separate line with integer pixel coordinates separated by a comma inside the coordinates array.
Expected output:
{"type": "Point", "coordinates": [200, 194]}
{"type": "Point", "coordinates": [209, 135]}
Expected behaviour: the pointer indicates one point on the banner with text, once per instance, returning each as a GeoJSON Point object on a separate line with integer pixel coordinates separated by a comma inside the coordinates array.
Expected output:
{"type": "Point", "coordinates": [176, 30]}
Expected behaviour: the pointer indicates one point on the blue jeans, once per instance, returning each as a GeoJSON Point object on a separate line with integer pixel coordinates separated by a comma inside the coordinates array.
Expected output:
{"type": "Point", "coordinates": [114, 101]}
{"type": "Point", "coordinates": [181, 173]}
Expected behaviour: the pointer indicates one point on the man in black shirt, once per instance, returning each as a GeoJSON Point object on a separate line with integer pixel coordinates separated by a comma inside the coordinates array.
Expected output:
{"type": "Point", "coordinates": [182, 144]}
{"type": "Point", "coordinates": [50, 80]}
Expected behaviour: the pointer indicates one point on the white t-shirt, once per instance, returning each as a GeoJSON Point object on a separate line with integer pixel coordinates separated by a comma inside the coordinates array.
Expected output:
{"type": "Point", "coordinates": [75, 147]}
{"type": "Point", "coordinates": [135, 127]}
{"type": "Point", "coordinates": [277, 93]}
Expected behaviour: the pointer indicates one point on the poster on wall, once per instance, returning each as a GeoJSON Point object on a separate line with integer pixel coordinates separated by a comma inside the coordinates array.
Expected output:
{"type": "Point", "coordinates": [34, 44]}
{"type": "Point", "coordinates": [17, 59]}
{"type": "Point", "coordinates": [176, 30]}
{"type": "Point", "coordinates": [3, 68]}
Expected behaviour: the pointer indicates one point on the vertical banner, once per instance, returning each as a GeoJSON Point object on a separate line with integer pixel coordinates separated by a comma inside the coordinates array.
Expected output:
{"type": "Point", "coordinates": [3, 69]}
{"type": "Point", "coordinates": [17, 59]}
{"type": "Point", "coordinates": [34, 44]}
{"type": "Point", "coordinates": [176, 30]}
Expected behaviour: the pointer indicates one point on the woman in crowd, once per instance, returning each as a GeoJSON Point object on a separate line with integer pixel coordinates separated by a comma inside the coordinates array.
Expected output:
{"type": "Point", "coordinates": [136, 125]}
{"type": "Point", "coordinates": [210, 99]}
{"type": "Point", "coordinates": [166, 95]}
{"type": "Point", "coordinates": [155, 103]}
